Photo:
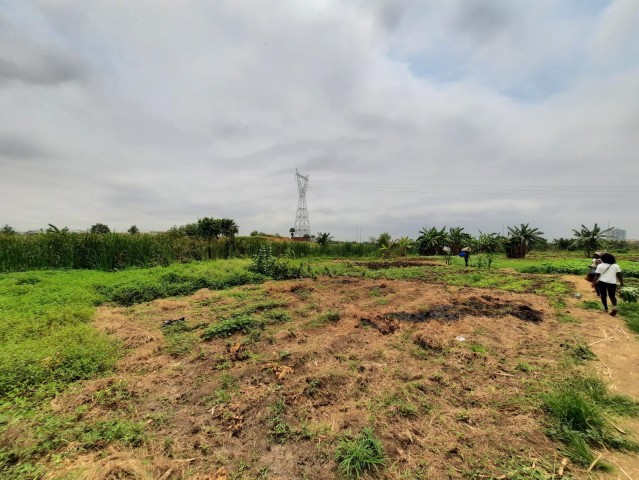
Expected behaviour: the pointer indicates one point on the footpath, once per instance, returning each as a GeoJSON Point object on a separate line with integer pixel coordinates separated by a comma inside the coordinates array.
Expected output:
{"type": "Point", "coordinates": [617, 363]}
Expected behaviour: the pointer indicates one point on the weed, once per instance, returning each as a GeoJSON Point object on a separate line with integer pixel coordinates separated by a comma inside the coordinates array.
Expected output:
{"type": "Point", "coordinates": [359, 455]}
{"type": "Point", "coordinates": [580, 352]}
{"type": "Point", "coordinates": [590, 305]}
{"type": "Point", "coordinates": [284, 354]}
{"type": "Point", "coordinates": [478, 348]}
{"type": "Point", "coordinates": [224, 328]}
{"type": "Point", "coordinates": [280, 431]}
{"type": "Point", "coordinates": [524, 367]}
{"type": "Point", "coordinates": [277, 316]}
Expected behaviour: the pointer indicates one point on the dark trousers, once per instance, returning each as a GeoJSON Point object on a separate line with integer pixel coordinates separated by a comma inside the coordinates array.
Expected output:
{"type": "Point", "coordinates": [607, 290]}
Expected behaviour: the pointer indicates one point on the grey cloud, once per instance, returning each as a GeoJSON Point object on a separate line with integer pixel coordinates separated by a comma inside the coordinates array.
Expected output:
{"type": "Point", "coordinates": [483, 21]}
{"type": "Point", "coordinates": [18, 148]}
{"type": "Point", "coordinates": [28, 60]}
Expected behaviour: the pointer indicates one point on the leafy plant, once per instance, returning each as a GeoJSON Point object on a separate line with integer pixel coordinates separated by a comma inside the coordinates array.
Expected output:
{"type": "Point", "coordinates": [431, 241]}
{"type": "Point", "coordinates": [359, 455]}
{"type": "Point", "coordinates": [629, 294]}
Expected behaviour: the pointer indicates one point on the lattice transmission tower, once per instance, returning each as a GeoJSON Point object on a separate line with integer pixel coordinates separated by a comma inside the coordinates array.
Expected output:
{"type": "Point", "coordinates": [302, 225]}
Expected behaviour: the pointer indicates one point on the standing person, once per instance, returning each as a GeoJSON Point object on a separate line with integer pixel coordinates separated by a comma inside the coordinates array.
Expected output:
{"type": "Point", "coordinates": [606, 276]}
{"type": "Point", "coordinates": [465, 252]}
{"type": "Point", "coordinates": [596, 260]}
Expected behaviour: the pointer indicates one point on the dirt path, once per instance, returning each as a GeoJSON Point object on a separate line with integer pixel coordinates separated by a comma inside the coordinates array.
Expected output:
{"type": "Point", "coordinates": [617, 350]}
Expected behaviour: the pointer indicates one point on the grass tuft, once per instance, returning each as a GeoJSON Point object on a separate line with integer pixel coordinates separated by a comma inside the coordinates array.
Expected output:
{"type": "Point", "coordinates": [359, 455]}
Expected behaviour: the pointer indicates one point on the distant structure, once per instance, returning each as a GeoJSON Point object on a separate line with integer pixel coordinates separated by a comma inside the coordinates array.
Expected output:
{"type": "Point", "coordinates": [302, 225]}
{"type": "Point", "coordinates": [617, 234]}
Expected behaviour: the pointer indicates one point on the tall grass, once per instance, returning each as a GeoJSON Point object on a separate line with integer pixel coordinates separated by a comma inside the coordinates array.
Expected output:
{"type": "Point", "coordinates": [117, 251]}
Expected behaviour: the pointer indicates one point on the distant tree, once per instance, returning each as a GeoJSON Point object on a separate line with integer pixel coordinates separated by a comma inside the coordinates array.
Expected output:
{"type": "Point", "coordinates": [323, 239]}
{"type": "Point", "coordinates": [228, 227]}
{"type": "Point", "coordinates": [292, 231]}
{"type": "Point", "coordinates": [209, 227]}
{"type": "Point", "coordinates": [214, 227]}
{"type": "Point", "coordinates": [522, 239]}
{"type": "Point", "coordinates": [134, 230]}
{"type": "Point", "coordinates": [457, 239]}
{"type": "Point", "coordinates": [383, 240]}
{"type": "Point", "coordinates": [397, 248]}
{"type": "Point", "coordinates": [431, 241]}
{"type": "Point", "coordinates": [562, 243]}
{"type": "Point", "coordinates": [100, 228]}
{"type": "Point", "coordinates": [590, 240]}
{"type": "Point", "coordinates": [8, 230]}
{"type": "Point", "coordinates": [489, 242]}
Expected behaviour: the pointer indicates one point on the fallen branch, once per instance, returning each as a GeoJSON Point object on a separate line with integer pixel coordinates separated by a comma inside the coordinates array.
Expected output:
{"type": "Point", "coordinates": [599, 341]}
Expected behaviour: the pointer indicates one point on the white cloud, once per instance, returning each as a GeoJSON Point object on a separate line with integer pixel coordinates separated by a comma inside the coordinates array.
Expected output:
{"type": "Point", "coordinates": [156, 113]}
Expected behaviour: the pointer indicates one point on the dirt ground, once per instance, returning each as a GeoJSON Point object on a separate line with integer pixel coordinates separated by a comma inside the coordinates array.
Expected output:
{"type": "Point", "coordinates": [443, 374]}
{"type": "Point", "coordinates": [618, 362]}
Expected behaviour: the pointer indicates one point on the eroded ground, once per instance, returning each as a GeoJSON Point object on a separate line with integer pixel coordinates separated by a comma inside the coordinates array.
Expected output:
{"type": "Point", "coordinates": [444, 375]}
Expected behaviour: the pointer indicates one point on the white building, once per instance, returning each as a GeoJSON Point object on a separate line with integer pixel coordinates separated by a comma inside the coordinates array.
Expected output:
{"type": "Point", "coordinates": [617, 234]}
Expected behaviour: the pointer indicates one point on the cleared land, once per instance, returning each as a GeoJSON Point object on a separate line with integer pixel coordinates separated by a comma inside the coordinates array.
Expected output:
{"type": "Point", "coordinates": [450, 369]}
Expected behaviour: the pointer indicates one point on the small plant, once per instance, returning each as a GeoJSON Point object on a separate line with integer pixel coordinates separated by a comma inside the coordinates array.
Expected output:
{"type": "Point", "coordinates": [629, 294]}
{"type": "Point", "coordinates": [359, 455]}
{"type": "Point", "coordinates": [230, 326]}
{"type": "Point", "coordinates": [590, 305]}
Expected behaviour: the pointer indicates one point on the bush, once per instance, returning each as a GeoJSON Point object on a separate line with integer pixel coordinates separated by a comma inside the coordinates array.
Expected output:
{"type": "Point", "coordinates": [265, 263]}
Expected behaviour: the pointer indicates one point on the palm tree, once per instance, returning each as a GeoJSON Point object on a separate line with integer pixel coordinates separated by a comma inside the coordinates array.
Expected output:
{"type": "Point", "coordinates": [323, 239]}
{"type": "Point", "coordinates": [489, 242]}
{"type": "Point", "coordinates": [457, 239]}
{"type": "Point", "coordinates": [431, 241]}
{"type": "Point", "coordinates": [521, 240]}
{"type": "Point", "coordinates": [590, 240]}
{"type": "Point", "coordinates": [397, 248]}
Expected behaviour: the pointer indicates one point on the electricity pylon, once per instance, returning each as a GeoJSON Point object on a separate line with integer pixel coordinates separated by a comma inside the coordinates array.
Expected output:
{"type": "Point", "coordinates": [302, 226]}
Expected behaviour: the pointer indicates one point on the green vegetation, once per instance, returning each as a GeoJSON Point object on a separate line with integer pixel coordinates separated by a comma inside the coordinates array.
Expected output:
{"type": "Point", "coordinates": [359, 455]}
{"type": "Point", "coordinates": [225, 328]}
{"type": "Point", "coordinates": [61, 249]}
{"type": "Point", "coordinates": [579, 412]}
{"type": "Point", "coordinates": [630, 313]}
{"type": "Point", "coordinates": [590, 240]}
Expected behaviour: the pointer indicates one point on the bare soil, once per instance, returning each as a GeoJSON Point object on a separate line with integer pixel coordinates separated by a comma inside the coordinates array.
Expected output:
{"type": "Point", "coordinates": [443, 374]}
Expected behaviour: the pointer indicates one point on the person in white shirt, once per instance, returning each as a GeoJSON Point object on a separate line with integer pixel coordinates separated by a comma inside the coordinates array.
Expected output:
{"type": "Point", "coordinates": [606, 275]}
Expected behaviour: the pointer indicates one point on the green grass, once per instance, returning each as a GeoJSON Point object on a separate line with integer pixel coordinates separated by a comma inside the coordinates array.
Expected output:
{"type": "Point", "coordinates": [580, 412]}
{"type": "Point", "coordinates": [360, 455]}
{"type": "Point", "coordinates": [630, 314]}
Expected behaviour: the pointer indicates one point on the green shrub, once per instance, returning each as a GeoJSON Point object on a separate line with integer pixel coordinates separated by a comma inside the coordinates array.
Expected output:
{"type": "Point", "coordinates": [264, 263]}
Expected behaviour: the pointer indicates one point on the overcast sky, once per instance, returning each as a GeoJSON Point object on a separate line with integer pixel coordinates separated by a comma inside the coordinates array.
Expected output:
{"type": "Point", "coordinates": [403, 113]}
